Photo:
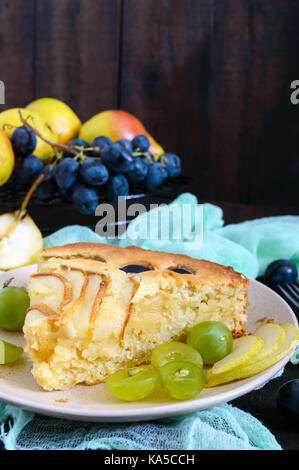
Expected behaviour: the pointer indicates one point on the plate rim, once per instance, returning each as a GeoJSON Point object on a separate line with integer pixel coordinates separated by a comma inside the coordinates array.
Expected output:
{"type": "Point", "coordinates": [156, 411]}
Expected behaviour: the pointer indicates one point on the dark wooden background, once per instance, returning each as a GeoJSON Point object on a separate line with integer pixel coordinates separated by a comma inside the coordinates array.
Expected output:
{"type": "Point", "coordinates": [210, 79]}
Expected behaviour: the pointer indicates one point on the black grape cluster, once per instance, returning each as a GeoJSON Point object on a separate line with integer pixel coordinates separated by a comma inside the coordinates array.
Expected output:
{"type": "Point", "coordinates": [85, 171]}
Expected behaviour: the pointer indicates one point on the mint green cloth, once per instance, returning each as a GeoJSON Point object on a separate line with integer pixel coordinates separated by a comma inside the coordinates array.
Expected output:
{"type": "Point", "coordinates": [248, 247]}
{"type": "Point", "coordinates": [221, 427]}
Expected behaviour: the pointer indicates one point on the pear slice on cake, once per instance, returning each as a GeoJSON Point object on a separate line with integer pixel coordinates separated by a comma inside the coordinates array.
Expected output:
{"type": "Point", "coordinates": [53, 288]}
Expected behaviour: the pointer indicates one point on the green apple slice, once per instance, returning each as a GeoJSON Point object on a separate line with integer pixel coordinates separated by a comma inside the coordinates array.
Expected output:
{"type": "Point", "coordinates": [255, 366]}
{"type": "Point", "coordinates": [244, 349]}
{"type": "Point", "coordinates": [9, 352]}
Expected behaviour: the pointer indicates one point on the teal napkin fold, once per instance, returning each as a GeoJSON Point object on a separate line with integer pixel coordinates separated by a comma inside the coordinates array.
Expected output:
{"type": "Point", "coordinates": [248, 247]}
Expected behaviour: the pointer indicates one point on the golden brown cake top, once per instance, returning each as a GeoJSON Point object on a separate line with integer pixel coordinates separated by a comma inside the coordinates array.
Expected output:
{"type": "Point", "coordinates": [116, 257]}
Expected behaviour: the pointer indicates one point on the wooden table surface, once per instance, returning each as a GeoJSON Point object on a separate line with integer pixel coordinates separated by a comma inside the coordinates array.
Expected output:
{"type": "Point", "coordinates": [260, 403]}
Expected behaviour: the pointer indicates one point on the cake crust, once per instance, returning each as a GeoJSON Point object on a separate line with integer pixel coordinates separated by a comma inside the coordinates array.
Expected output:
{"type": "Point", "coordinates": [116, 257]}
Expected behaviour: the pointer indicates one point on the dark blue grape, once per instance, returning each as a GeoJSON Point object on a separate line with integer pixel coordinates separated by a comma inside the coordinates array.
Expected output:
{"type": "Point", "coordinates": [94, 172]}
{"type": "Point", "coordinates": [281, 272]}
{"type": "Point", "coordinates": [100, 143]}
{"type": "Point", "coordinates": [172, 164]}
{"type": "Point", "coordinates": [180, 270]}
{"type": "Point", "coordinates": [141, 143]}
{"type": "Point", "coordinates": [48, 172]}
{"type": "Point", "coordinates": [31, 168]}
{"type": "Point", "coordinates": [134, 269]}
{"type": "Point", "coordinates": [85, 199]}
{"type": "Point", "coordinates": [66, 172]}
{"type": "Point", "coordinates": [23, 141]}
{"type": "Point", "coordinates": [139, 171]}
{"type": "Point", "coordinates": [67, 194]}
{"type": "Point", "coordinates": [117, 158]}
{"type": "Point", "coordinates": [46, 189]}
{"type": "Point", "coordinates": [288, 398]}
{"type": "Point", "coordinates": [75, 143]}
{"type": "Point", "coordinates": [117, 186]}
{"type": "Point", "coordinates": [156, 175]}
{"type": "Point", "coordinates": [127, 144]}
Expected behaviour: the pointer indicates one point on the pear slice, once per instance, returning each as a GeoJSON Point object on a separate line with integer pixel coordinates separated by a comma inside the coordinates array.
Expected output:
{"type": "Point", "coordinates": [273, 335]}
{"type": "Point", "coordinates": [20, 241]}
{"type": "Point", "coordinates": [244, 349]}
{"type": "Point", "coordinates": [82, 311]}
{"type": "Point", "coordinates": [256, 366]}
{"type": "Point", "coordinates": [9, 352]}
{"type": "Point", "coordinates": [53, 287]}
{"type": "Point", "coordinates": [98, 299]}
{"type": "Point", "coordinates": [80, 283]}
{"type": "Point", "coordinates": [78, 278]}
{"type": "Point", "coordinates": [45, 310]}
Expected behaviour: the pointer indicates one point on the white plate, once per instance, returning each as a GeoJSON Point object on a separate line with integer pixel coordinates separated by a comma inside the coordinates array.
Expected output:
{"type": "Point", "coordinates": [95, 403]}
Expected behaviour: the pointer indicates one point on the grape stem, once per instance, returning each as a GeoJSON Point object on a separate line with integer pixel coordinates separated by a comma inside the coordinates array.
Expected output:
{"type": "Point", "coordinates": [6, 283]}
{"type": "Point", "coordinates": [35, 185]}
{"type": "Point", "coordinates": [56, 146]}
{"type": "Point", "coordinates": [21, 213]}
{"type": "Point", "coordinates": [76, 150]}
{"type": "Point", "coordinates": [37, 132]}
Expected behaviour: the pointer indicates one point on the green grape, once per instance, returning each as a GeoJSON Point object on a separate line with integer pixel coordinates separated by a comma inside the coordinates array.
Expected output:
{"type": "Point", "coordinates": [212, 339]}
{"type": "Point", "coordinates": [175, 351]}
{"type": "Point", "coordinates": [14, 302]}
{"type": "Point", "coordinates": [133, 384]}
{"type": "Point", "coordinates": [182, 379]}
{"type": "Point", "coordinates": [9, 352]}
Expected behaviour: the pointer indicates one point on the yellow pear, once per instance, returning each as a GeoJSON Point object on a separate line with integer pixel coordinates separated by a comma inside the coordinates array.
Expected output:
{"type": "Point", "coordinates": [117, 124]}
{"type": "Point", "coordinates": [10, 119]}
{"type": "Point", "coordinates": [62, 119]}
{"type": "Point", "coordinates": [20, 241]}
{"type": "Point", "coordinates": [7, 158]}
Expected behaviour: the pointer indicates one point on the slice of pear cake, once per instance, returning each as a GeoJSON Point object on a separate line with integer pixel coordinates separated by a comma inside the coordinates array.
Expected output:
{"type": "Point", "coordinates": [97, 308]}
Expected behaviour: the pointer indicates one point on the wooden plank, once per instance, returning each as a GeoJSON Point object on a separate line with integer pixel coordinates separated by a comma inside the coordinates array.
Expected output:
{"type": "Point", "coordinates": [16, 52]}
{"type": "Point", "coordinates": [77, 53]}
{"type": "Point", "coordinates": [252, 151]}
{"type": "Point", "coordinates": [212, 83]}
{"type": "Point", "coordinates": [274, 166]}
{"type": "Point", "coordinates": [230, 61]}
{"type": "Point", "coordinates": [209, 79]}
{"type": "Point", "coordinates": [165, 75]}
